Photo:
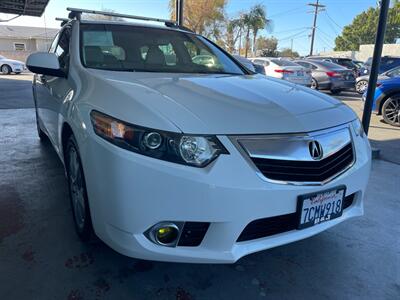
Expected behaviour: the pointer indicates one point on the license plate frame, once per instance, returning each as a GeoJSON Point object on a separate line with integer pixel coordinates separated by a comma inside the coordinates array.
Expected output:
{"type": "Point", "coordinates": [340, 191]}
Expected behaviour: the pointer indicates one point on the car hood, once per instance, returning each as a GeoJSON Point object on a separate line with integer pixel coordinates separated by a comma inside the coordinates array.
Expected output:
{"type": "Point", "coordinates": [224, 104]}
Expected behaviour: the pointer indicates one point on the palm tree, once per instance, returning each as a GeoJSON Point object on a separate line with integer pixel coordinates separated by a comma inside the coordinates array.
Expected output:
{"type": "Point", "coordinates": [234, 32]}
{"type": "Point", "coordinates": [258, 20]}
{"type": "Point", "coordinates": [247, 21]}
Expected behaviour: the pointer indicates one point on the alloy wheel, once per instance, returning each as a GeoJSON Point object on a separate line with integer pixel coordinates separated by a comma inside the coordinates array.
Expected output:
{"type": "Point", "coordinates": [5, 70]}
{"type": "Point", "coordinates": [361, 86]}
{"type": "Point", "coordinates": [77, 188]}
{"type": "Point", "coordinates": [391, 111]}
{"type": "Point", "coordinates": [314, 84]}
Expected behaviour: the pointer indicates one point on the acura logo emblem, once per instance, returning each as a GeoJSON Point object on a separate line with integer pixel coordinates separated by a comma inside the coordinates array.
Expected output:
{"type": "Point", "coordinates": [315, 150]}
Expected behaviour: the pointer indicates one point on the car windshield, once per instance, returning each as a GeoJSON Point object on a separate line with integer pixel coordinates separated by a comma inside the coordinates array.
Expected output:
{"type": "Point", "coordinates": [283, 62]}
{"type": "Point", "coordinates": [144, 49]}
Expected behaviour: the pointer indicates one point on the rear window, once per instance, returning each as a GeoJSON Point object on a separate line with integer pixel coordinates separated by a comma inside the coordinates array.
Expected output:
{"type": "Point", "coordinates": [347, 63]}
{"type": "Point", "coordinates": [143, 49]}
{"type": "Point", "coordinates": [283, 62]}
{"type": "Point", "coordinates": [329, 65]}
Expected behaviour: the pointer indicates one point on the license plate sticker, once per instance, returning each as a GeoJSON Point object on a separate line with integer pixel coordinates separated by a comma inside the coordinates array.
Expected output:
{"type": "Point", "coordinates": [320, 207]}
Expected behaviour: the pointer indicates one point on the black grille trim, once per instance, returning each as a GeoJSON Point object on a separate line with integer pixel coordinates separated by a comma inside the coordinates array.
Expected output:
{"type": "Point", "coordinates": [306, 171]}
{"type": "Point", "coordinates": [274, 225]}
{"type": "Point", "coordinates": [193, 233]}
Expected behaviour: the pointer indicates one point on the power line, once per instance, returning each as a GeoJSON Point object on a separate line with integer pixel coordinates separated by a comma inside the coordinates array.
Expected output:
{"type": "Point", "coordinates": [317, 7]}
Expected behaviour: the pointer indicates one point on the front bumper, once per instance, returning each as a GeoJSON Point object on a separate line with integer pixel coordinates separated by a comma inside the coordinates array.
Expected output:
{"type": "Point", "coordinates": [129, 193]}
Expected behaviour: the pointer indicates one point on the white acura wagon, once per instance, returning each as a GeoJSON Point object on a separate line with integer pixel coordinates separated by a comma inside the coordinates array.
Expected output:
{"type": "Point", "coordinates": [175, 157]}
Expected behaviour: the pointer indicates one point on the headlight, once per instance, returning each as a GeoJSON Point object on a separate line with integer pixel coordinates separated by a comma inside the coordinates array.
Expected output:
{"type": "Point", "coordinates": [357, 127]}
{"type": "Point", "coordinates": [197, 151]}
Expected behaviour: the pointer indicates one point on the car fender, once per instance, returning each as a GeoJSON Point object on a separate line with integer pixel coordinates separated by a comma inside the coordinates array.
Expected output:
{"type": "Point", "coordinates": [381, 99]}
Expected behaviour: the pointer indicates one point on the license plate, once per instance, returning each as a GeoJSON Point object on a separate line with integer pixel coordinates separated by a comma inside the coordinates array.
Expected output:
{"type": "Point", "coordinates": [320, 207]}
{"type": "Point", "coordinates": [300, 73]}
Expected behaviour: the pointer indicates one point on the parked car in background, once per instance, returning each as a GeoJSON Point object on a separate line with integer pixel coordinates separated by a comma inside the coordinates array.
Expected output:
{"type": "Point", "coordinates": [387, 100]}
{"type": "Point", "coordinates": [341, 61]}
{"type": "Point", "coordinates": [189, 163]}
{"type": "Point", "coordinates": [283, 69]}
{"type": "Point", "coordinates": [245, 62]}
{"type": "Point", "coordinates": [328, 76]}
{"type": "Point", "coordinates": [386, 63]}
{"type": "Point", "coordinates": [8, 66]}
{"type": "Point", "coordinates": [362, 81]}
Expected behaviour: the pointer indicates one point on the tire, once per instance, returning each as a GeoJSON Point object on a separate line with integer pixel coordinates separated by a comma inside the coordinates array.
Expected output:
{"type": "Point", "coordinates": [361, 86]}
{"type": "Point", "coordinates": [77, 191]}
{"type": "Point", "coordinates": [17, 73]}
{"type": "Point", "coordinates": [336, 92]}
{"type": "Point", "coordinates": [314, 84]}
{"type": "Point", "coordinates": [5, 69]}
{"type": "Point", "coordinates": [391, 110]}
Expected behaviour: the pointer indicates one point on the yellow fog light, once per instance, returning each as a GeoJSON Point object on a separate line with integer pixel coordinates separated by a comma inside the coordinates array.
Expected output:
{"type": "Point", "coordinates": [166, 234]}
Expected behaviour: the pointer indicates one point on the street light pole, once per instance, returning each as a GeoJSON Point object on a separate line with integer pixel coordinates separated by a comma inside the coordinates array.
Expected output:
{"type": "Point", "coordinates": [366, 118]}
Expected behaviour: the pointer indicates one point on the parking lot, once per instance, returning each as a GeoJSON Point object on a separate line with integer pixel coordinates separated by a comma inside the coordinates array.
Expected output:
{"type": "Point", "coordinates": [42, 258]}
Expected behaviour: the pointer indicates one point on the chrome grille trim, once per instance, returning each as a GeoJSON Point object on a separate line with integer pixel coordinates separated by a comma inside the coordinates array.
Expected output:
{"type": "Point", "coordinates": [295, 148]}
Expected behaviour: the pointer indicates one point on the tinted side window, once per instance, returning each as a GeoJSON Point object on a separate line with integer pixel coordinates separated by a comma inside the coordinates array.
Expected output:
{"type": "Point", "coordinates": [62, 50]}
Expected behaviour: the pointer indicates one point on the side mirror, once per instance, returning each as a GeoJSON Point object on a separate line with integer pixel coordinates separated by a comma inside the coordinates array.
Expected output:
{"type": "Point", "coordinates": [44, 63]}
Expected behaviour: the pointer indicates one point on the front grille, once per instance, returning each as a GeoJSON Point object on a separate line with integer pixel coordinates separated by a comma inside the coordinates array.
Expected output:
{"type": "Point", "coordinates": [306, 171]}
{"type": "Point", "coordinates": [193, 233]}
{"type": "Point", "coordinates": [269, 226]}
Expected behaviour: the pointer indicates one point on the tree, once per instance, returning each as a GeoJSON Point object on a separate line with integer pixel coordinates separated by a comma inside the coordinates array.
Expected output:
{"type": "Point", "coordinates": [363, 29]}
{"type": "Point", "coordinates": [253, 21]}
{"type": "Point", "coordinates": [266, 46]}
{"type": "Point", "coordinates": [234, 30]}
{"type": "Point", "coordinates": [287, 52]}
{"type": "Point", "coordinates": [258, 21]}
{"type": "Point", "coordinates": [205, 17]}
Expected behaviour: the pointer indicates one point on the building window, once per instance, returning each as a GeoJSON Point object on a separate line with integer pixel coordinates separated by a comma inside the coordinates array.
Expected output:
{"type": "Point", "coordinates": [19, 47]}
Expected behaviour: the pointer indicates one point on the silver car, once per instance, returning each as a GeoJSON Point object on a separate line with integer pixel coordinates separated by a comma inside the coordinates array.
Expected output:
{"type": "Point", "coordinates": [328, 76]}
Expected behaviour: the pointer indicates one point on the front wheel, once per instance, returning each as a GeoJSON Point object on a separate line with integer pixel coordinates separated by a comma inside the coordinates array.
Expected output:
{"type": "Point", "coordinates": [361, 86]}
{"type": "Point", "coordinates": [5, 69]}
{"type": "Point", "coordinates": [391, 110]}
{"type": "Point", "coordinates": [77, 191]}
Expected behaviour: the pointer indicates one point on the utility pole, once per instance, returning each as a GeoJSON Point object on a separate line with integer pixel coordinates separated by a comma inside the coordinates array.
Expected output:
{"type": "Point", "coordinates": [291, 45]}
{"type": "Point", "coordinates": [179, 11]}
{"type": "Point", "coordinates": [316, 11]}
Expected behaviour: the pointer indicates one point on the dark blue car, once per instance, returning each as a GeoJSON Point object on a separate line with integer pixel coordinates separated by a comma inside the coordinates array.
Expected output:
{"type": "Point", "coordinates": [387, 100]}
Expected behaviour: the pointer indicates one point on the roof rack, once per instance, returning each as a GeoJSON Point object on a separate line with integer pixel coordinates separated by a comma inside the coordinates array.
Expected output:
{"type": "Point", "coordinates": [63, 21]}
{"type": "Point", "coordinates": [76, 13]}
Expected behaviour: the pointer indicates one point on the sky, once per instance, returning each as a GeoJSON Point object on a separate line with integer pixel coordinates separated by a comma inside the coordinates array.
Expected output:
{"type": "Point", "coordinates": [291, 19]}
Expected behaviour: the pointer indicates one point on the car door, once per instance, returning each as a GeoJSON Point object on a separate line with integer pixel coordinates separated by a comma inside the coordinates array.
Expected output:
{"type": "Point", "coordinates": [53, 90]}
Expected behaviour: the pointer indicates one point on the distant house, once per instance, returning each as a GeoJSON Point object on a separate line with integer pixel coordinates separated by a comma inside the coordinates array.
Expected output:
{"type": "Point", "coordinates": [17, 42]}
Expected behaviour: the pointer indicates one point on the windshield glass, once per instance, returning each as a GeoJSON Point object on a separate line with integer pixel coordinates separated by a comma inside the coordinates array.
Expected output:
{"type": "Point", "coordinates": [143, 49]}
